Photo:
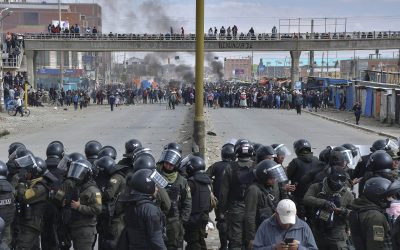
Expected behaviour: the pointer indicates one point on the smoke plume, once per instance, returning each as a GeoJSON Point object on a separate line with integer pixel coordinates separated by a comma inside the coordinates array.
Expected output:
{"type": "Point", "coordinates": [216, 66]}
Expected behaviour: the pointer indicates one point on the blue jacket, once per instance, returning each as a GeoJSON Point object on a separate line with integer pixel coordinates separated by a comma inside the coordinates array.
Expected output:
{"type": "Point", "coordinates": [269, 234]}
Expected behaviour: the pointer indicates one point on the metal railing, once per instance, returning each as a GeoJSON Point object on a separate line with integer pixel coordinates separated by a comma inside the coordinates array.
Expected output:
{"type": "Point", "coordinates": [218, 37]}
{"type": "Point", "coordinates": [13, 60]}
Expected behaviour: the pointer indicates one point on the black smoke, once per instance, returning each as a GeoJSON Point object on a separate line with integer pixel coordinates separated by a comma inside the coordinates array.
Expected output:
{"type": "Point", "coordinates": [216, 66]}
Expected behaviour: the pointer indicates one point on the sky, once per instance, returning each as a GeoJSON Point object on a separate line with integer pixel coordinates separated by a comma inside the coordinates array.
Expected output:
{"type": "Point", "coordinates": [157, 16]}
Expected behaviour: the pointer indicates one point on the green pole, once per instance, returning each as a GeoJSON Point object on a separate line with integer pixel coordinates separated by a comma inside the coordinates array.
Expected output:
{"type": "Point", "coordinates": [199, 125]}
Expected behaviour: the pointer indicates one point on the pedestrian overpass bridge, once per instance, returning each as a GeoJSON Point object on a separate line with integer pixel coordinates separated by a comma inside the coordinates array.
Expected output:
{"type": "Point", "coordinates": [294, 42]}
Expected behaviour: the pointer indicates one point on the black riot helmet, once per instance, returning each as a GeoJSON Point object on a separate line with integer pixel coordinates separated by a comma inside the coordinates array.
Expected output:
{"type": "Point", "coordinates": [130, 146]}
{"type": "Point", "coordinates": [394, 190]}
{"type": "Point", "coordinates": [324, 155]}
{"type": "Point", "coordinates": [3, 171]}
{"type": "Point", "coordinates": [104, 164]}
{"type": "Point", "coordinates": [302, 146]}
{"type": "Point", "coordinates": [92, 149]}
{"type": "Point", "coordinates": [108, 151]}
{"type": "Point", "coordinates": [76, 156]}
{"type": "Point", "coordinates": [139, 151]}
{"type": "Point", "coordinates": [375, 190]}
{"type": "Point", "coordinates": [243, 148]}
{"type": "Point", "coordinates": [195, 164]}
{"type": "Point", "coordinates": [336, 178]}
{"type": "Point", "coordinates": [144, 161]}
{"type": "Point", "coordinates": [387, 145]}
{"type": "Point", "coordinates": [55, 149]}
{"type": "Point", "coordinates": [267, 169]}
{"type": "Point", "coordinates": [141, 182]}
{"type": "Point", "coordinates": [228, 152]}
{"type": "Point", "coordinates": [171, 156]}
{"type": "Point", "coordinates": [380, 161]}
{"type": "Point", "coordinates": [175, 146]}
{"type": "Point", "coordinates": [355, 151]}
{"type": "Point", "coordinates": [256, 146]}
{"type": "Point", "coordinates": [13, 147]}
{"type": "Point", "coordinates": [281, 149]}
{"type": "Point", "coordinates": [265, 152]}
{"type": "Point", "coordinates": [80, 171]}
{"type": "Point", "coordinates": [39, 169]}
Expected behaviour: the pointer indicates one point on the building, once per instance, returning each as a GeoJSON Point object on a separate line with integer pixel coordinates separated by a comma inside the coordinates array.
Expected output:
{"type": "Point", "coordinates": [240, 69]}
{"type": "Point", "coordinates": [34, 17]}
{"type": "Point", "coordinates": [354, 69]}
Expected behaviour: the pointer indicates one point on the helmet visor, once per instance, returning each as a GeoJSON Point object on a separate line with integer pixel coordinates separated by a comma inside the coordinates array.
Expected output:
{"type": "Point", "coordinates": [281, 149]}
{"type": "Point", "coordinates": [348, 158]}
{"type": "Point", "coordinates": [171, 156]}
{"type": "Point", "coordinates": [392, 145]}
{"type": "Point", "coordinates": [277, 172]}
{"type": "Point", "coordinates": [77, 171]}
{"type": "Point", "coordinates": [12, 156]}
{"type": "Point", "coordinates": [185, 161]}
{"type": "Point", "coordinates": [63, 164]}
{"type": "Point", "coordinates": [139, 152]}
{"type": "Point", "coordinates": [26, 161]}
{"type": "Point", "coordinates": [158, 179]}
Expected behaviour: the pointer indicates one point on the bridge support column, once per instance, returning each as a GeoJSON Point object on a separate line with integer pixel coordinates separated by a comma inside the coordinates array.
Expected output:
{"type": "Point", "coordinates": [30, 67]}
{"type": "Point", "coordinates": [294, 71]}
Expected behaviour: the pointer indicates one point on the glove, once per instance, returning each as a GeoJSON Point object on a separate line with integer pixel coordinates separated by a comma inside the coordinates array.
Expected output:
{"type": "Point", "coordinates": [329, 205]}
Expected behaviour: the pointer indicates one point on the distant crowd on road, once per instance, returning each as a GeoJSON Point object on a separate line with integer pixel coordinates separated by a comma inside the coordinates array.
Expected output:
{"type": "Point", "coordinates": [57, 29]}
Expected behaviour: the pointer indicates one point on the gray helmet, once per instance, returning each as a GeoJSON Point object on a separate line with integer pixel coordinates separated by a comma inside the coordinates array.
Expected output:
{"type": "Point", "coordinates": [243, 148]}
{"type": "Point", "coordinates": [270, 169]}
{"type": "Point", "coordinates": [380, 161]}
{"type": "Point", "coordinates": [171, 156]}
{"type": "Point", "coordinates": [195, 164]}
{"type": "Point", "coordinates": [174, 145]}
{"type": "Point", "coordinates": [104, 164]}
{"type": "Point", "coordinates": [140, 182]}
{"type": "Point", "coordinates": [3, 171]}
{"type": "Point", "coordinates": [92, 149]}
{"type": "Point", "coordinates": [108, 151]}
{"type": "Point", "coordinates": [228, 152]}
{"type": "Point", "coordinates": [130, 146]}
{"type": "Point", "coordinates": [14, 146]}
{"type": "Point", "coordinates": [375, 190]}
{"type": "Point", "coordinates": [264, 152]}
{"type": "Point", "coordinates": [55, 149]}
{"type": "Point", "coordinates": [144, 161]}
{"type": "Point", "coordinates": [301, 145]}
{"type": "Point", "coordinates": [80, 170]}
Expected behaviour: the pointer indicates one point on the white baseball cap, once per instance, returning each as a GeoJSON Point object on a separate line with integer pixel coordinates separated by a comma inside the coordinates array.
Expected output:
{"type": "Point", "coordinates": [287, 211]}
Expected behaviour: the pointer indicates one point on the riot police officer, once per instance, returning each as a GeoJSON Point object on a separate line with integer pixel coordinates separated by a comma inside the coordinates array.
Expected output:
{"type": "Point", "coordinates": [330, 201]}
{"type": "Point", "coordinates": [237, 178]}
{"type": "Point", "coordinates": [144, 223]}
{"type": "Point", "coordinates": [281, 152]}
{"type": "Point", "coordinates": [32, 194]}
{"type": "Point", "coordinates": [179, 193]}
{"type": "Point", "coordinates": [81, 205]}
{"type": "Point", "coordinates": [92, 149]}
{"type": "Point", "coordinates": [301, 172]}
{"type": "Point", "coordinates": [130, 147]}
{"type": "Point", "coordinates": [216, 173]}
{"type": "Point", "coordinates": [110, 222]}
{"type": "Point", "coordinates": [147, 161]}
{"type": "Point", "coordinates": [379, 165]}
{"type": "Point", "coordinates": [199, 183]}
{"type": "Point", "coordinates": [263, 196]}
{"type": "Point", "coordinates": [7, 204]}
{"type": "Point", "coordinates": [12, 152]}
{"type": "Point", "coordinates": [368, 224]}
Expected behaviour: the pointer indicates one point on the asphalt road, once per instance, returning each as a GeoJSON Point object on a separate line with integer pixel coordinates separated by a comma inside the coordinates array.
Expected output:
{"type": "Point", "coordinates": [152, 124]}
{"type": "Point", "coordinates": [282, 126]}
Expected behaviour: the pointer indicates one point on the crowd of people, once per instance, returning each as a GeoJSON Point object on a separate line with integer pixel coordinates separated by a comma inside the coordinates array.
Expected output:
{"type": "Point", "coordinates": [11, 49]}
{"type": "Point", "coordinates": [57, 29]}
{"type": "Point", "coordinates": [260, 201]}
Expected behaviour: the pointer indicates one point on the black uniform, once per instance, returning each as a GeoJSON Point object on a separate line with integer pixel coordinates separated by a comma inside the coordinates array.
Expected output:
{"type": "Point", "coordinates": [216, 173]}
{"type": "Point", "coordinates": [195, 228]}
{"type": "Point", "coordinates": [7, 208]}
{"type": "Point", "coordinates": [143, 225]}
{"type": "Point", "coordinates": [302, 171]}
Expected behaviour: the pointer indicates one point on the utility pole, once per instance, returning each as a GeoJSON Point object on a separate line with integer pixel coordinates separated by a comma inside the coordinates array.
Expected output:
{"type": "Point", "coordinates": [199, 124]}
{"type": "Point", "coordinates": [61, 52]}
{"type": "Point", "coordinates": [312, 52]}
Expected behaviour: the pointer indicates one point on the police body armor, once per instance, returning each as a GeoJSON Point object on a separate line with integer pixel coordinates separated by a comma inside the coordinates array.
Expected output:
{"type": "Point", "coordinates": [266, 205]}
{"type": "Point", "coordinates": [219, 173]}
{"type": "Point", "coordinates": [200, 204]}
{"type": "Point", "coordinates": [305, 173]}
{"type": "Point", "coordinates": [241, 179]}
{"type": "Point", "coordinates": [326, 220]}
{"type": "Point", "coordinates": [7, 202]}
{"type": "Point", "coordinates": [355, 226]}
{"type": "Point", "coordinates": [174, 193]}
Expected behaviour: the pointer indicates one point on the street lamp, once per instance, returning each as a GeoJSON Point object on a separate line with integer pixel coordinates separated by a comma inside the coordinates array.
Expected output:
{"type": "Point", "coordinates": [1, 59]}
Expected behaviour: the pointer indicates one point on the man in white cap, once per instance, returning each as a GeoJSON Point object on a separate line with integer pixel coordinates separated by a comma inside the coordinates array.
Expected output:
{"type": "Point", "coordinates": [284, 230]}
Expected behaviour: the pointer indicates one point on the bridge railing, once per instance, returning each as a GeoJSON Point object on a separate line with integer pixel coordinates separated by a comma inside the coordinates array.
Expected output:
{"type": "Point", "coordinates": [219, 37]}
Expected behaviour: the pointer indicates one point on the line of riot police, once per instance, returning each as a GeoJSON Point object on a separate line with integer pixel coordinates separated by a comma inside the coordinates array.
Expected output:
{"type": "Point", "coordinates": [76, 200]}
{"type": "Point", "coordinates": [251, 180]}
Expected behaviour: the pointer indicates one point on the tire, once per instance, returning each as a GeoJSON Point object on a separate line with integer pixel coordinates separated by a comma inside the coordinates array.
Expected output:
{"type": "Point", "coordinates": [11, 111]}
{"type": "Point", "coordinates": [26, 112]}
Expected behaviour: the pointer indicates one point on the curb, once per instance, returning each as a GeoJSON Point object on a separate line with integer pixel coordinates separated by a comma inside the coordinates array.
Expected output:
{"type": "Point", "coordinates": [351, 125]}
